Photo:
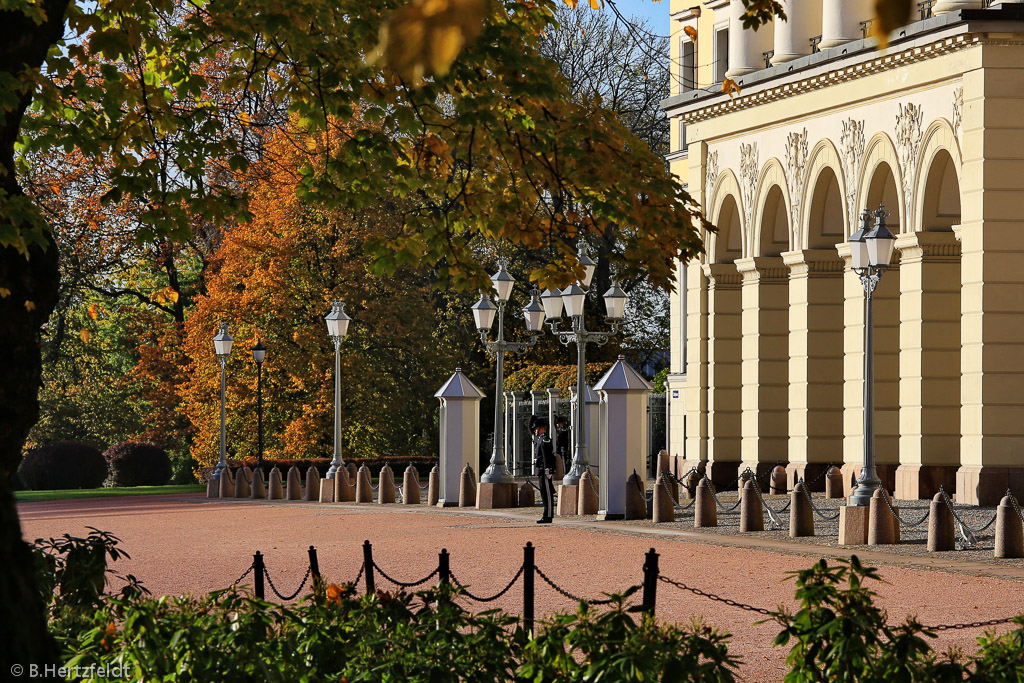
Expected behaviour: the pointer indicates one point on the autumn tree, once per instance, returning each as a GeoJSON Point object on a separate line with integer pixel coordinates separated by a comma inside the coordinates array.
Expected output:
{"type": "Point", "coordinates": [274, 279]}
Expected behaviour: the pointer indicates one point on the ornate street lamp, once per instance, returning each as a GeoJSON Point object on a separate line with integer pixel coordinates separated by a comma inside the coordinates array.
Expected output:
{"type": "Point", "coordinates": [222, 349]}
{"type": "Point", "coordinates": [483, 312]}
{"type": "Point", "coordinates": [870, 252]}
{"type": "Point", "coordinates": [259, 354]}
{"type": "Point", "coordinates": [337, 329]}
{"type": "Point", "coordinates": [573, 299]}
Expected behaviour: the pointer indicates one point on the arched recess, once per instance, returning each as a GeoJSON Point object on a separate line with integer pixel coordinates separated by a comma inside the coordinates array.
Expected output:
{"type": "Point", "coordinates": [881, 181]}
{"type": "Point", "coordinates": [819, 230]}
{"type": "Point", "coordinates": [726, 245]}
{"type": "Point", "coordinates": [937, 186]}
{"type": "Point", "coordinates": [770, 233]}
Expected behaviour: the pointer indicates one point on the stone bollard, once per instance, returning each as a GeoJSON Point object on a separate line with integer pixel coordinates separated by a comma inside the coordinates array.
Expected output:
{"type": "Point", "coordinates": [881, 523]}
{"type": "Point", "coordinates": [242, 488]}
{"type": "Point", "coordinates": [344, 487]}
{"type": "Point", "coordinates": [636, 498]}
{"type": "Point", "coordinates": [411, 486]}
{"type": "Point", "coordinates": [258, 490]}
{"type": "Point", "coordinates": [751, 512]}
{"type": "Point", "coordinates": [692, 479]}
{"type": "Point", "coordinates": [834, 483]}
{"type": "Point", "coordinates": [293, 488]}
{"type": "Point", "coordinates": [702, 467]}
{"type": "Point", "coordinates": [587, 503]}
{"type": "Point", "coordinates": [312, 493]}
{"type": "Point", "coordinates": [212, 488]}
{"type": "Point", "coordinates": [527, 497]}
{"type": "Point", "coordinates": [801, 516]}
{"type": "Point", "coordinates": [941, 534]}
{"type": "Point", "coordinates": [364, 488]}
{"type": "Point", "coordinates": [226, 486]}
{"type": "Point", "coordinates": [433, 486]}
{"type": "Point", "coordinates": [353, 472]}
{"type": "Point", "coordinates": [778, 481]}
{"type": "Point", "coordinates": [327, 487]}
{"type": "Point", "coordinates": [704, 511]}
{"type": "Point", "coordinates": [467, 488]}
{"type": "Point", "coordinates": [1009, 532]}
{"type": "Point", "coordinates": [275, 489]}
{"type": "Point", "coordinates": [231, 475]}
{"type": "Point", "coordinates": [386, 487]}
{"type": "Point", "coordinates": [662, 466]}
{"type": "Point", "coordinates": [664, 509]}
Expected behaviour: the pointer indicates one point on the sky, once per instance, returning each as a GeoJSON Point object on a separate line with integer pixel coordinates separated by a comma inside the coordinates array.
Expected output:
{"type": "Point", "coordinates": [656, 13]}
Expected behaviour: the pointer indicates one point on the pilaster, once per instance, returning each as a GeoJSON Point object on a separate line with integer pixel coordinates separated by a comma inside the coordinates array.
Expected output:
{"type": "Point", "coordinates": [724, 371]}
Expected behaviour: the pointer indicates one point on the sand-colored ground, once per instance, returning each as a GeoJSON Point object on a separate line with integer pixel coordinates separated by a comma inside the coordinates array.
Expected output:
{"type": "Point", "coordinates": [184, 543]}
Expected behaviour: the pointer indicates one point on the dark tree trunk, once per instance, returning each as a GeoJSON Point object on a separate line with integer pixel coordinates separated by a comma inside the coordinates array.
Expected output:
{"type": "Point", "coordinates": [32, 280]}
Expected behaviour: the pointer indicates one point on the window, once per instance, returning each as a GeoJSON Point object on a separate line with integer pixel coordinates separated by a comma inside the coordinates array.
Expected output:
{"type": "Point", "coordinates": [681, 142]}
{"type": "Point", "coordinates": [721, 54]}
{"type": "Point", "coordinates": [687, 67]}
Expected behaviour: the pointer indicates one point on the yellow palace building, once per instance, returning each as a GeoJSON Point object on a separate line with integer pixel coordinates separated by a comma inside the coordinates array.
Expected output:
{"type": "Point", "coordinates": [767, 326]}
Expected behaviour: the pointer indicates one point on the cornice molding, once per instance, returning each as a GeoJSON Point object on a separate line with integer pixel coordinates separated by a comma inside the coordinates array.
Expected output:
{"type": "Point", "coordinates": [845, 74]}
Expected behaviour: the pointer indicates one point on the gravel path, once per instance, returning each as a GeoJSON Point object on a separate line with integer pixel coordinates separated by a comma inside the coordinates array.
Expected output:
{"type": "Point", "coordinates": [183, 543]}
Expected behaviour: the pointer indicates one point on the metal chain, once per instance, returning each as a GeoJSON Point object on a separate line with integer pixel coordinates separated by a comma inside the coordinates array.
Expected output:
{"type": "Point", "coordinates": [711, 487]}
{"type": "Point", "coordinates": [903, 522]}
{"type": "Point", "coordinates": [567, 594]}
{"type": "Point", "coordinates": [675, 502]}
{"type": "Point", "coordinates": [239, 579]}
{"type": "Point", "coordinates": [493, 597]}
{"type": "Point", "coordinates": [297, 590]}
{"type": "Point", "coordinates": [971, 624]}
{"type": "Point", "coordinates": [1015, 506]}
{"type": "Point", "coordinates": [717, 598]}
{"type": "Point", "coordinates": [773, 521]}
{"type": "Point", "coordinates": [404, 584]}
{"type": "Point", "coordinates": [822, 474]}
{"type": "Point", "coordinates": [592, 487]}
{"type": "Point", "coordinates": [761, 610]}
{"type": "Point", "coordinates": [966, 531]}
{"type": "Point", "coordinates": [814, 508]}
{"type": "Point", "coordinates": [362, 568]}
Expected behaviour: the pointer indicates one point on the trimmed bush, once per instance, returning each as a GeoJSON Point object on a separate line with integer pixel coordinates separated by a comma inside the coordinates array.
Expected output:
{"type": "Point", "coordinates": [137, 464]}
{"type": "Point", "coordinates": [63, 465]}
{"type": "Point", "coordinates": [184, 468]}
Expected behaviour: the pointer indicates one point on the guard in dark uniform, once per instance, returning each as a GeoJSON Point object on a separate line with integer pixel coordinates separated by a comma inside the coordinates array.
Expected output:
{"type": "Point", "coordinates": [544, 461]}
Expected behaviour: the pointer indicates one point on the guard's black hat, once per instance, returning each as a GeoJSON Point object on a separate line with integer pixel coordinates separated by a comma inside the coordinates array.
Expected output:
{"type": "Point", "coordinates": [539, 421]}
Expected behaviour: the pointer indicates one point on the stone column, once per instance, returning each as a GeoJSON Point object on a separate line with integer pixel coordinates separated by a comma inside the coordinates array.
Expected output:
{"type": "Point", "coordinates": [793, 36]}
{"type": "Point", "coordinates": [840, 21]}
{"type": "Point", "coordinates": [746, 48]}
{"type": "Point", "coordinates": [765, 363]}
{"type": "Point", "coordinates": [929, 443]}
{"type": "Point", "coordinates": [886, 311]}
{"type": "Point", "coordinates": [724, 385]}
{"type": "Point", "coordinates": [460, 433]}
{"type": "Point", "coordinates": [696, 391]}
{"type": "Point", "coordinates": [992, 280]}
{"type": "Point", "coordinates": [943, 6]}
{"type": "Point", "coordinates": [521, 461]}
{"type": "Point", "coordinates": [815, 362]}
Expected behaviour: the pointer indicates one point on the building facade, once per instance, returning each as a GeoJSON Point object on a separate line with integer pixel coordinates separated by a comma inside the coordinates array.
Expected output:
{"type": "Point", "coordinates": [767, 326]}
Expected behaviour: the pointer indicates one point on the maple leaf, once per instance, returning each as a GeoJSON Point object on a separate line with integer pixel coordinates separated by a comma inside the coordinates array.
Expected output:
{"type": "Point", "coordinates": [691, 32]}
{"type": "Point", "coordinates": [84, 334]}
{"type": "Point", "coordinates": [730, 87]}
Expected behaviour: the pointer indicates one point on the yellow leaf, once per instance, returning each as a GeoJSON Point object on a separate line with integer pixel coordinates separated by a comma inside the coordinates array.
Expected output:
{"type": "Point", "coordinates": [244, 119]}
{"type": "Point", "coordinates": [4, 292]}
{"type": "Point", "coordinates": [691, 32]}
{"type": "Point", "coordinates": [571, 3]}
{"type": "Point", "coordinates": [84, 334]}
{"type": "Point", "coordinates": [30, 305]}
{"type": "Point", "coordinates": [889, 16]}
{"type": "Point", "coordinates": [93, 312]}
{"type": "Point", "coordinates": [595, 4]}
{"type": "Point", "coordinates": [730, 87]}
{"type": "Point", "coordinates": [172, 295]}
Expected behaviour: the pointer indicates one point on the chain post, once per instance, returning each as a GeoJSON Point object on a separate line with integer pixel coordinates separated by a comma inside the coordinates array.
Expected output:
{"type": "Point", "coordinates": [528, 586]}
{"type": "Point", "coordinates": [368, 566]}
{"type": "Point", "coordinates": [258, 569]}
{"type": "Point", "coordinates": [650, 581]}
{"type": "Point", "coordinates": [443, 566]}
{"type": "Point", "coordinates": [314, 569]}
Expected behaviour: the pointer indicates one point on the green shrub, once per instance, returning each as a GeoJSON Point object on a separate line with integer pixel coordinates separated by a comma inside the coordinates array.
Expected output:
{"type": "Point", "coordinates": [184, 470]}
{"type": "Point", "coordinates": [659, 381]}
{"type": "Point", "coordinates": [63, 465]}
{"type": "Point", "coordinates": [137, 464]}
